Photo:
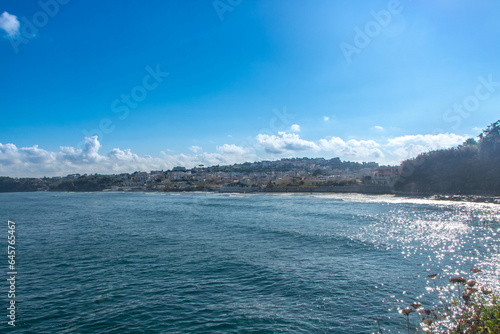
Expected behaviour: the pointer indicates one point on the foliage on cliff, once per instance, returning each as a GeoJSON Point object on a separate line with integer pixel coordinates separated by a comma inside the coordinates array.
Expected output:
{"type": "Point", "coordinates": [81, 183]}
{"type": "Point", "coordinates": [471, 168]}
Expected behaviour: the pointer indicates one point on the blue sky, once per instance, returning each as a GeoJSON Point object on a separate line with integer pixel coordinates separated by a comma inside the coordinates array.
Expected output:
{"type": "Point", "coordinates": [247, 80]}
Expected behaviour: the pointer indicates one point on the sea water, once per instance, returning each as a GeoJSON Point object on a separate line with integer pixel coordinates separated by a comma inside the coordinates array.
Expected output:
{"type": "Point", "coordinates": [224, 263]}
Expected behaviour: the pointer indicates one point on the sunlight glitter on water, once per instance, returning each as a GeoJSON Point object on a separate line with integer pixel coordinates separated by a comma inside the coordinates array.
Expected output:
{"type": "Point", "coordinates": [448, 238]}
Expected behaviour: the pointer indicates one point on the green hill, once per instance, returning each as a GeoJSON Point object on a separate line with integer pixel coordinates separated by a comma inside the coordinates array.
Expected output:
{"type": "Point", "coordinates": [471, 168]}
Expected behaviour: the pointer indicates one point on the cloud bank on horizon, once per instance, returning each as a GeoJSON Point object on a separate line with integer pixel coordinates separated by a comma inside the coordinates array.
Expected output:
{"type": "Point", "coordinates": [37, 162]}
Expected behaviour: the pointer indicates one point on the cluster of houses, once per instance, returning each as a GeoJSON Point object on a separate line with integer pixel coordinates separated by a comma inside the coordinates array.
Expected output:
{"type": "Point", "coordinates": [299, 173]}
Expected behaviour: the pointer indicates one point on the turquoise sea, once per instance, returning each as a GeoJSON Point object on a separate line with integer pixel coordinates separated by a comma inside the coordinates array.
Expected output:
{"type": "Point", "coordinates": [224, 263]}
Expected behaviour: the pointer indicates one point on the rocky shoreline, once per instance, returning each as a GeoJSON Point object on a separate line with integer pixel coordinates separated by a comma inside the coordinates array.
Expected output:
{"type": "Point", "coordinates": [467, 198]}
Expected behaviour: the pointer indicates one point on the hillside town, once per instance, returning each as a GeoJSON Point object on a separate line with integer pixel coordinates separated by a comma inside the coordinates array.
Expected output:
{"type": "Point", "coordinates": [292, 174]}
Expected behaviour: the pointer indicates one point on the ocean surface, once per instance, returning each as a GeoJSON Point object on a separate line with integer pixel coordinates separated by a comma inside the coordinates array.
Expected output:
{"type": "Point", "coordinates": [224, 263]}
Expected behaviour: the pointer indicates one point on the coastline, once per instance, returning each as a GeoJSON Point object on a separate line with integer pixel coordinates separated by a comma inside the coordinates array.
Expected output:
{"type": "Point", "coordinates": [468, 198]}
{"type": "Point", "coordinates": [360, 189]}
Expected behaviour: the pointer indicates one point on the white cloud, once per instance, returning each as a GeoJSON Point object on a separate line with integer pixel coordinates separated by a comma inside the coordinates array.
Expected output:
{"type": "Point", "coordinates": [284, 142]}
{"type": "Point", "coordinates": [34, 161]}
{"type": "Point", "coordinates": [359, 150]}
{"type": "Point", "coordinates": [125, 155]}
{"type": "Point", "coordinates": [225, 155]}
{"type": "Point", "coordinates": [407, 152]}
{"type": "Point", "coordinates": [410, 146]}
{"type": "Point", "coordinates": [295, 128]}
{"type": "Point", "coordinates": [36, 155]}
{"type": "Point", "coordinates": [231, 149]}
{"type": "Point", "coordinates": [326, 118]}
{"type": "Point", "coordinates": [477, 129]}
{"type": "Point", "coordinates": [378, 128]}
{"type": "Point", "coordinates": [91, 149]}
{"type": "Point", "coordinates": [393, 150]}
{"type": "Point", "coordinates": [434, 142]}
{"type": "Point", "coordinates": [9, 24]}
{"type": "Point", "coordinates": [195, 149]}
{"type": "Point", "coordinates": [9, 154]}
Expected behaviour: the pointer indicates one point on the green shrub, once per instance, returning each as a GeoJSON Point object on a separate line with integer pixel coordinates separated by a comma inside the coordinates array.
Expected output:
{"type": "Point", "coordinates": [476, 309]}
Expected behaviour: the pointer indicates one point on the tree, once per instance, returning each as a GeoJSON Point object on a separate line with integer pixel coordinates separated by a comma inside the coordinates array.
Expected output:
{"type": "Point", "coordinates": [470, 168]}
{"type": "Point", "coordinates": [317, 172]}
